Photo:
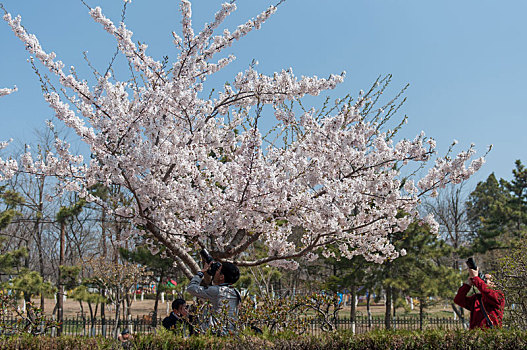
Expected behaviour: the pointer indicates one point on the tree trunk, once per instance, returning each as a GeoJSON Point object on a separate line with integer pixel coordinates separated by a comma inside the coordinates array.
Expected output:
{"type": "Point", "coordinates": [27, 296]}
{"type": "Point", "coordinates": [393, 302]}
{"type": "Point", "coordinates": [104, 255]}
{"type": "Point", "coordinates": [156, 303]}
{"type": "Point", "coordinates": [129, 301]}
{"type": "Point", "coordinates": [29, 310]}
{"type": "Point", "coordinates": [103, 233]}
{"type": "Point", "coordinates": [83, 318]}
{"type": "Point", "coordinates": [388, 310]}
{"type": "Point", "coordinates": [40, 260]}
{"type": "Point", "coordinates": [353, 308]}
{"type": "Point", "coordinates": [459, 312]}
{"type": "Point", "coordinates": [117, 239]}
{"type": "Point", "coordinates": [117, 317]}
{"type": "Point", "coordinates": [368, 309]}
{"type": "Point", "coordinates": [93, 315]}
{"type": "Point", "coordinates": [60, 293]}
{"type": "Point", "coordinates": [103, 315]}
{"type": "Point", "coordinates": [38, 232]}
{"type": "Point", "coordinates": [421, 313]}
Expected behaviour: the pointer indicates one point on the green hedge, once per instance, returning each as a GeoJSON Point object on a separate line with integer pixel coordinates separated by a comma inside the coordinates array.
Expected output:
{"type": "Point", "coordinates": [480, 340]}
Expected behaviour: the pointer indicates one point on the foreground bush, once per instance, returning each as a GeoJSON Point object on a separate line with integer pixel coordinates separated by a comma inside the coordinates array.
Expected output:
{"type": "Point", "coordinates": [493, 339]}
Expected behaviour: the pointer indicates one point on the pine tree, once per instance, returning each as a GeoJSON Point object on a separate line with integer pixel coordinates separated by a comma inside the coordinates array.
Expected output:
{"type": "Point", "coordinates": [422, 273]}
{"type": "Point", "coordinates": [498, 211]}
{"type": "Point", "coordinates": [351, 275]}
{"type": "Point", "coordinates": [26, 282]}
{"type": "Point", "coordinates": [487, 212]}
{"type": "Point", "coordinates": [9, 201]}
{"type": "Point", "coordinates": [517, 204]}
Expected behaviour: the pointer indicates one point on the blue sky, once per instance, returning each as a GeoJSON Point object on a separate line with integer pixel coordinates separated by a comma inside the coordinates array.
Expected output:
{"type": "Point", "coordinates": [464, 60]}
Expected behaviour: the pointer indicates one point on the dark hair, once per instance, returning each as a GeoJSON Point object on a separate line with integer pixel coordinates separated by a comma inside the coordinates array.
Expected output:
{"type": "Point", "coordinates": [230, 272]}
{"type": "Point", "coordinates": [177, 303]}
{"type": "Point", "coordinates": [125, 331]}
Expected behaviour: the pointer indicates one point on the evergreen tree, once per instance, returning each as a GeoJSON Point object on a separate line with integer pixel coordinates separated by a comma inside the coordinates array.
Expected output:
{"type": "Point", "coordinates": [63, 216]}
{"type": "Point", "coordinates": [498, 211]}
{"type": "Point", "coordinates": [421, 273]}
{"type": "Point", "coordinates": [11, 259]}
{"type": "Point", "coordinates": [82, 292]}
{"type": "Point", "coordinates": [517, 204]}
{"type": "Point", "coordinates": [511, 278]}
{"type": "Point", "coordinates": [26, 282]}
{"type": "Point", "coordinates": [487, 212]}
{"type": "Point", "coordinates": [351, 275]}
{"type": "Point", "coordinates": [9, 200]}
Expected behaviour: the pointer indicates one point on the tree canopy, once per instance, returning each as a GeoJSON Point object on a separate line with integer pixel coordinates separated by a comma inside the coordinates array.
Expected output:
{"type": "Point", "coordinates": [200, 171]}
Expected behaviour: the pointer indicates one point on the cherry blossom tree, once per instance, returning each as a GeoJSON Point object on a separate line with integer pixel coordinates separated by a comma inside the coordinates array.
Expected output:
{"type": "Point", "coordinates": [200, 171]}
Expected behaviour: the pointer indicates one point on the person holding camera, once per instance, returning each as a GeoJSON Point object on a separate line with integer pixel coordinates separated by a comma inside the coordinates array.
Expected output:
{"type": "Point", "coordinates": [221, 292]}
{"type": "Point", "coordinates": [179, 319]}
{"type": "Point", "coordinates": [486, 307]}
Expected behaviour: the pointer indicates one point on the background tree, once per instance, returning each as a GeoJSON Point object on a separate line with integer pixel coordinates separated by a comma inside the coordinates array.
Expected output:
{"type": "Point", "coordinates": [349, 275]}
{"type": "Point", "coordinates": [425, 272]}
{"type": "Point", "coordinates": [497, 213]}
{"type": "Point", "coordinates": [422, 272]}
{"type": "Point", "coordinates": [64, 214]}
{"type": "Point", "coordinates": [511, 277]}
{"type": "Point", "coordinates": [27, 282]}
{"type": "Point", "coordinates": [450, 210]}
{"type": "Point", "coordinates": [10, 259]}
{"type": "Point", "coordinates": [487, 211]}
{"type": "Point", "coordinates": [456, 227]}
{"type": "Point", "coordinates": [517, 205]}
{"type": "Point", "coordinates": [117, 280]}
{"type": "Point", "coordinates": [82, 291]}
{"type": "Point", "coordinates": [161, 268]}
{"type": "Point", "coordinates": [34, 227]}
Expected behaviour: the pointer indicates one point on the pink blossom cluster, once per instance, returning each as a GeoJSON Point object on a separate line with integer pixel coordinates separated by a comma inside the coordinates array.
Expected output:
{"type": "Point", "coordinates": [196, 169]}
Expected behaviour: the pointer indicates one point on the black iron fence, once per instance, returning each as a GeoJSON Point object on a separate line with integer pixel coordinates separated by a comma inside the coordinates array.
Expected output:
{"type": "Point", "coordinates": [363, 324]}
{"type": "Point", "coordinates": [83, 326]}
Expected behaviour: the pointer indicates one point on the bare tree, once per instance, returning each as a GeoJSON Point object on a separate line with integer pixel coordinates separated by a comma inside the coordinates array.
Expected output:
{"type": "Point", "coordinates": [450, 211]}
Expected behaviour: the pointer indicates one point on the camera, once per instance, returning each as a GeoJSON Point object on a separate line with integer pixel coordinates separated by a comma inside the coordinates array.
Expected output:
{"type": "Point", "coordinates": [472, 265]}
{"type": "Point", "coordinates": [214, 265]}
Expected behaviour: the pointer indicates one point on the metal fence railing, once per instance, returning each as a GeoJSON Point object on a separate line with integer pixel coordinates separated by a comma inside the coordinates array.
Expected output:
{"type": "Point", "coordinates": [106, 327]}
{"type": "Point", "coordinates": [363, 324]}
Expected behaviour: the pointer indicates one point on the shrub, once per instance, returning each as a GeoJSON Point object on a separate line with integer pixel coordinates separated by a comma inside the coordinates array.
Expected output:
{"type": "Point", "coordinates": [28, 342]}
{"type": "Point", "coordinates": [402, 340]}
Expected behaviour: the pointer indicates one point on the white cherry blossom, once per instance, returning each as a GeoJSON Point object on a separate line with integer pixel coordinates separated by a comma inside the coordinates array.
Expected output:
{"type": "Point", "coordinates": [199, 171]}
{"type": "Point", "coordinates": [7, 91]}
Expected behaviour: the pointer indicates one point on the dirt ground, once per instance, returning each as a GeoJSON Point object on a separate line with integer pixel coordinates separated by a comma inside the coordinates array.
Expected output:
{"type": "Point", "coordinates": [140, 308]}
{"type": "Point", "coordinates": [72, 308]}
